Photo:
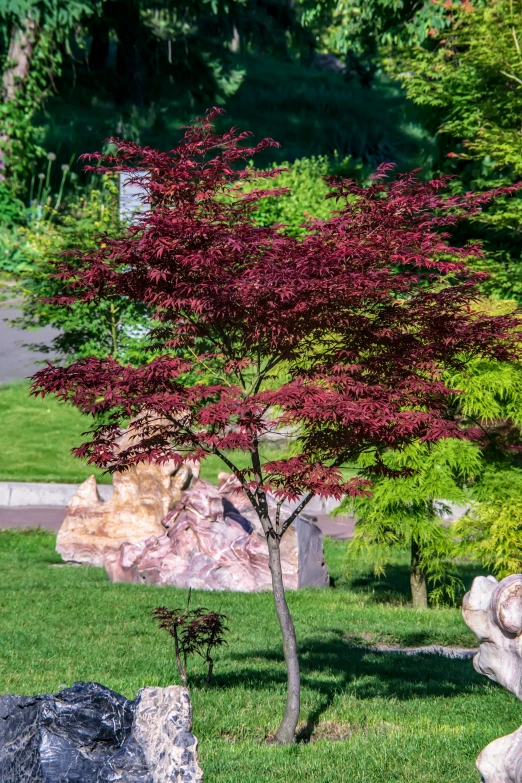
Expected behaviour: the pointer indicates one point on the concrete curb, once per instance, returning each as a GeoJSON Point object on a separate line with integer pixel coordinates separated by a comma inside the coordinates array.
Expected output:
{"type": "Point", "coordinates": [15, 494]}
{"type": "Point", "coordinates": [20, 493]}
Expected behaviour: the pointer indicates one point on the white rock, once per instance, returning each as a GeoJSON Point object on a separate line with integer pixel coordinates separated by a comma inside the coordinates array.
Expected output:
{"type": "Point", "coordinates": [493, 611]}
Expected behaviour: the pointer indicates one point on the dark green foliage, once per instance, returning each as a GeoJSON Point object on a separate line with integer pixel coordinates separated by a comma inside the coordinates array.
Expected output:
{"type": "Point", "coordinates": [311, 113]}
{"type": "Point", "coordinates": [467, 85]}
{"type": "Point", "coordinates": [44, 27]}
{"type": "Point", "coordinates": [357, 30]}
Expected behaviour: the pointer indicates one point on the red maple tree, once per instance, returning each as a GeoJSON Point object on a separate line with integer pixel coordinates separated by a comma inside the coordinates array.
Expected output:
{"type": "Point", "coordinates": [341, 334]}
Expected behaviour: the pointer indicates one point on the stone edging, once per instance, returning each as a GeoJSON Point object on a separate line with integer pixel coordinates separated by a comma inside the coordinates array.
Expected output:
{"type": "Point", "coordinates": [430, 649]}
{"type": "Point", "coordinates": [20, 493]}
{"type": "Point", "coordinates": [15, 494]}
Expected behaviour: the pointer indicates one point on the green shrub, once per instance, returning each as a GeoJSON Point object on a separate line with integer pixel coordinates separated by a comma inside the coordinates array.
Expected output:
{"type": "Point", "coordinates": [110, 327]}
{"type": "Point", "coordinates": [308, 190]}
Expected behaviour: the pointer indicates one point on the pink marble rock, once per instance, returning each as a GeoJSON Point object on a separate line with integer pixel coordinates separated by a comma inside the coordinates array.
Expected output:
{"type": "Point", "coordinates": [213, 540]}
{"type": "Point", "coordinates": [142, 497]}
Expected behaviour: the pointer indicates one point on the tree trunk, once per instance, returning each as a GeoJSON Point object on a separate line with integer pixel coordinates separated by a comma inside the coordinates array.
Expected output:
{"type": "Point", "coordinates": [19, 57]}
{"type": "Point", "coordinates": [236, 41]}
{"type": "Point", "coordinates": [17, 67]}
{"type": "Point", "coordinates": [419, 594]}
{"type": "Point", "coordinates": [286, 731]}
{"type": "Point", "coordinates": [181, 669]}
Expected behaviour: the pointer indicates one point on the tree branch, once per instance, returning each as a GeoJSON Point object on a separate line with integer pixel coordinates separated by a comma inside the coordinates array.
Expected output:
{"type": "Point", "coordinates": [297, 510]}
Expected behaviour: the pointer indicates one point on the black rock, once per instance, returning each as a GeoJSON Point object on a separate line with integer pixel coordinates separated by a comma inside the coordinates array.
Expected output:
{"type": "Point", "coordinates": [89, 734]}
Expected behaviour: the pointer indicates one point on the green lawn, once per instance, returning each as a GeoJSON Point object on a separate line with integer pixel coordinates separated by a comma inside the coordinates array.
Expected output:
{"type": "Point", "coordinates": [366, 717]}
{"type": "Point", "coordinates": [37, 436]}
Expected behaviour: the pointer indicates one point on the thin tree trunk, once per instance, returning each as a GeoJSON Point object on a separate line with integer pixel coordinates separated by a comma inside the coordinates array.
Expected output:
{"type": "Point", "coordinates": [235, 43]}
{"type": "Point", "coordinates": [181, 669]}
{"type": "Point", "coordinates": [286, 732]}
{"type": "Point", "coordinates": [114, 330]}
{"type": "Point", "coordinates": [210, 670]}
{"type": "Point", "coordinates": [419, 593]}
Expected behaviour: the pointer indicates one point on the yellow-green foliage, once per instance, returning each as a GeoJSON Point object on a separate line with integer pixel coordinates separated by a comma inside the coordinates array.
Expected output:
{"type": "Point", "coordinates": [492, 391]}
{"type": "Point", "coordinates": [307, 197]}
{"type": "Point", "coordinates": [28, 249]}
{"type": "Point", "coordinates": [492, 530]}
{"type": "Point", "coordinates": [492, 533]}
{"type": "Point", "coordinates": [409, 507]}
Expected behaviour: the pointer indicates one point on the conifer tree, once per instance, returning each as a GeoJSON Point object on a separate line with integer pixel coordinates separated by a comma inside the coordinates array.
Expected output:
{"type": "Point", "coordinates": [406, 511]}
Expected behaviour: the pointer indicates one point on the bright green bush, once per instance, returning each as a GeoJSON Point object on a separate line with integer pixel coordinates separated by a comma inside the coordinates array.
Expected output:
{"type": "Point", "coordinates": [491, 532]}
{"type": "Point", "coordinates": [308, 190]}
{"type": "Point", "coordinates": [111, 327]}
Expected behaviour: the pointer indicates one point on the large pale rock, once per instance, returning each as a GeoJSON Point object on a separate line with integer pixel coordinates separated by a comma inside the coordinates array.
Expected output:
{"type": "Point", "coordinates": [501, 760]}
{"type": "Point", "coordinates": [142, 496]}
{"type": "Point", "coordinates": [493, 611]}
{"type": "Point", "coordinates": [89, 734]}
{"type": "Point", "coordinates": [213, 540]}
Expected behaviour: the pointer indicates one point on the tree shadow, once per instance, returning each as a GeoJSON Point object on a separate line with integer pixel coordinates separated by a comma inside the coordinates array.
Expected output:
{"type": "Point", "coordinates": [331, 664]}
{"type": "Point", "coordinates": [395, 588]}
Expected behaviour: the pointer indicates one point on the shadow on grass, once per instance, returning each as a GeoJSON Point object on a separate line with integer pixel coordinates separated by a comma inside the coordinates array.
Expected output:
{"type": "Point", "coordinates": [394, 587]}
{"type": "Point", "coordinates": [330, 665]}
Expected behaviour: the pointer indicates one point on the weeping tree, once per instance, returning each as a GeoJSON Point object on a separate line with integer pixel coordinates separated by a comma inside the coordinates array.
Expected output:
{"type": "Point", "coordinates": [341, 334]}
{"type": "Point", "coordinates": [407, 509]}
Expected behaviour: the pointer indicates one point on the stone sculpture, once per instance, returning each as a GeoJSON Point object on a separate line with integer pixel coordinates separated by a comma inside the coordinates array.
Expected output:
{"type": "Point", "coordinates": [142, 496]}
{"type": "Point", "coordinates": [89, 734]}
{"type": "Point", "coordinates": [213, 540]}
{"type": "Point", "coordinates": [493, 611]}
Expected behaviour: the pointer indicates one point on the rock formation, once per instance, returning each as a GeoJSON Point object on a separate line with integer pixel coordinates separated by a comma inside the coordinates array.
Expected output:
{"type": "Point", "coordinates": [493, 611]}
{"type": "Point", "coordinates": [142, 496]}
{"type": "Point", "coordinates": [213, 540]}
{"type": "Point", "coordinates": [89, 734]}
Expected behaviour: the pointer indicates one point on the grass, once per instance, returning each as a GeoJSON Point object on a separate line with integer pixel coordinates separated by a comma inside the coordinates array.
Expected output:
{"type": "Point", "coordinates": [365, 717]}
{"type": "Point", "coordinates": [37, 436]}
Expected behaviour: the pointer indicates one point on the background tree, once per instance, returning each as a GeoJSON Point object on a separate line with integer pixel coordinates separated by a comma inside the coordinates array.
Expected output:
{"type": "Point", "coordinates": [406, 511]}
{"type": "Point", "coordinates": [359, 315]}
{"type": "Point", "coordinates": [467, 84]}
{"type": "Point", "coordinates": [32, 36]}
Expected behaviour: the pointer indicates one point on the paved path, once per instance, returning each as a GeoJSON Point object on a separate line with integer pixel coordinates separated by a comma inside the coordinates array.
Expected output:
{"type": "Point", "coordinates": [51, 517]}
{"type": "Point", "coordinates": [48, 517]}
{"type": "Point", "coordinates": [17, 361]}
